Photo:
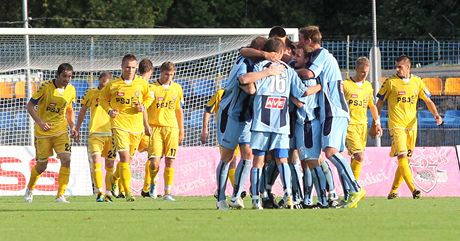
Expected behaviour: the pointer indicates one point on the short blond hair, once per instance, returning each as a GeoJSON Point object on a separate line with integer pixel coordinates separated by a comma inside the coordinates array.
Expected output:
{"type": "Point", "coordinates": [311, 32]}
{"type": "Point", "coordinates": [167, 66]}
{"type": "Point", "coordinates": [362, 61]}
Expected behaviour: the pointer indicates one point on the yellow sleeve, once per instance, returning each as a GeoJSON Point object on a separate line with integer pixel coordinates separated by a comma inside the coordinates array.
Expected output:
{"type": "Point", "coordinates": [148, 96]}
{"type": "Point", "coordinates": [39, 93]}
{"type": "Point", "coordinates": [87, 99]}
{"type": "Point", "coordinates": [423, 92]}
{"type": "Point", "coordinates": [370, 100]}
{"type": "Point", "coordinates": [72, 99]}
{"type": "Point", "coordinates": [384, 90]}
{"type": "Point", "coordinates": [181, 98]}
{"type": "Point", "coordinates": [212, 104]}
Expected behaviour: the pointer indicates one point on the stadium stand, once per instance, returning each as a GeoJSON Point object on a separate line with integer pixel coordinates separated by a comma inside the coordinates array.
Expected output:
{"type": "Point", "coordinates": [452, 86]}
{"type": "Point", "coordinates": [452, 119]}
{"type": "Point", "coordinates": [6, 89]}
{"type": "Point", "coordinates": [425, 119]}
{"type": "Point", "coordinates": [434, 85]}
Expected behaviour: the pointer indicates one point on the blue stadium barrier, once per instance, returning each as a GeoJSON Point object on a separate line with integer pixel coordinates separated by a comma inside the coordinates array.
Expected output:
{"type": "Point", "coordinates": [202, 88]}
{"type": "Point", "coordinates": [6, 118]}
{"type": "Point", "coordinates": [193, 119]}
{"type": "Point", "coordinates": [186, 88]}
{"type": "Point", "coordinates": [81, 87]}
{"type": "Point", "coordinates": [452, 119]}
{"type": "Point", "coordinates": [425, 119]}
{"type": "Point", "coordinates": [21, 121]}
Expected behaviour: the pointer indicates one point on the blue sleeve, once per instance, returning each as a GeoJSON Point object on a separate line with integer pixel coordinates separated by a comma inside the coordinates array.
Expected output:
{"type": "Point", "coordinates": [34, 101]}
{"type": "Point", "coordinates": [297, 87]}
{"type": "Point", "coordinates": [317, 64]}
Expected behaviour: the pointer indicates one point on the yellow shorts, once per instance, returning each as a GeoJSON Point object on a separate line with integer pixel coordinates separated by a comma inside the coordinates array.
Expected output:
{"type": "Point", "coordinates": [164, 141]}
{"type": "Point", "coordinates": [356, 138]}
{"type": "Point", "coordinates": [402, 141]}
{"type": "Point", "coordinates": [126, 141]}
{"type": "Point", "coordinates": [102, 145]}
{"type": "Point", "coordinates": [236, 153]}
{"type": "Point", "coordinates": [144, 143]}
{"type": "Point", "coordinates": [44, 146]}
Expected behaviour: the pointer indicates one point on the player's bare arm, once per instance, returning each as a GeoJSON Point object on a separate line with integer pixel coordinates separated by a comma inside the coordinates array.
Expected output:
{"type": "Point", "coordinates": [30, 109]}
{"type": "Point", "coordinates": [249, 78]}
{"type": "Point", "coordinates": [434, 111]}
{"type": "Point", "coordinates": [296, 102]}
{"type": "Point", "coordinates": [204, 127]}
{"type": "Point", "coordinates": [312, 90]}
{"type": "Point", "coordinates": [147, 128]}
{"type": "Point", "coordinates": [255, 53]}
{"type": "Point", "coordinates": [376, 121]}
{"type": "Point", "coordinates": [70, 115]}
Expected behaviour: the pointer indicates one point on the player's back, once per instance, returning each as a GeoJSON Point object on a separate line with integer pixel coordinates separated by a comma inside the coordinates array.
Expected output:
{"type": "Point", "coordinates": [326, 69]}
{"type": "Point", "coordinates": [271, 105]}
{"type": "Point", "coordinates": [235, 102]}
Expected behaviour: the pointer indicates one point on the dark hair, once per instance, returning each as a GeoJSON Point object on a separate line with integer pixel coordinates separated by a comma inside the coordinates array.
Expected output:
{"type": "Point", "coordinates": [167, 66]}
{"type": "Point", "coordinates": [105, 74]}
{"type": "Point", "coordinates": [277, 31]}
{"type": "Point", "coordinates": [128, 57]}
{"type": "Point", "coordinates": [145, 66]}
{"type": "Point", "coordinates": [64, 67]}
{"type": "Point", "coordinates": [274, 45]}
{"type": "Point", "coordinates": [404, 58]}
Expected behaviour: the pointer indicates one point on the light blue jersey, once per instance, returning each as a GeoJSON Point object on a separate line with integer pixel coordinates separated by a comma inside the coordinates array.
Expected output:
{"type": "Point", "coordinates": [235, 102]}
{"type": "Point", "coordinates": [310, 109]}
{"type": "Point", "coordinates": [331, 99]}
{"type": "Point", "coordinates": [271, 101]}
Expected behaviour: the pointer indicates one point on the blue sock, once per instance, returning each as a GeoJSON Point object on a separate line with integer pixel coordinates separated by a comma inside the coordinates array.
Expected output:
{"type": "Point", "coordinates": [344, 170]}
{"type": "Point", "coordinates": [319, 180]}
{"type": "Point", "coordinates": [285, 176]}
{"type": "Point", "coordinates": [256, 173]}
{"type": "Point", "coordinates": [307, 186]}
{"type": "Point", "coordinates": [241, 175]}
{"type": "Point", "coordinates": [330, 185]}
{"type": "Point", "coordinates": [296, 171]}
{"type": "Point", "coordinates": [221, 178]}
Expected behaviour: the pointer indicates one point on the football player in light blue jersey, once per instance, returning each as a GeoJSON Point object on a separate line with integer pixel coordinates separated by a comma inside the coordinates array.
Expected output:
{"type": "Point", "coordinates": [270, 126]}
{"type": "Point", "coordinates": [333, 108]}
{"type": "Point", "coordinates": [234, 126]}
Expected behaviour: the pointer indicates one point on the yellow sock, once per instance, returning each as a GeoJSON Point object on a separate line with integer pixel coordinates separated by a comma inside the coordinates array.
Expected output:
{"type": "Point", "coordinates": [63, 180]}
{"type": "Point", "coordinates": [356, 168]}
{"type": "Point", "coordinates": [397, 181]}
{"type": "Point", "coordinates": [116, 178]}
{"type": "Point", "coordinates": [108, 178]}
{"type": "Point", "coordinates": [169, 179]}
{"type": "Point", "coordinates": [231, 175]}
{"type": "Point", "coordinates": [404, 169]}
{"type": "Point", "coordinates": [125, 176]}
{"type": "Point", "coordinates": [98, 176]}
{"type": "Point", "coordinates": [33, 179]}
{"type": "Point", "coordinates": [153, 174]}
{"type": "Point", "coordinates": [147, 178]}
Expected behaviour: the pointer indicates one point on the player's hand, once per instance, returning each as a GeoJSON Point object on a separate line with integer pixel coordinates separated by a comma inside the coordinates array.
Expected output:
{"type": "Point", "coordinates": [276, 69]}
{"type": "Point", "coordinates": [181, 137]}
{"type": "Point", "coordinates": [204, 137]}
{"type": "Point", "coordinates": [438, 120]}
{"type": "Point", "coordinates": [113, 113]}
{"type": "Point", "coordinates": [148, 130]}
{"type": "Point", "coordinates": [44, 126]}
{"type": "Point", "coordinates": [74, 133]}
{"type": "Point", "coordinates": [378, 130]}
{"type": "Point", "coordinates": [140, 108]}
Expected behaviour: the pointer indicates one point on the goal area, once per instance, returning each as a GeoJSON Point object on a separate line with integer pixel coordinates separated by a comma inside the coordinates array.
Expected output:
{"type": "Point", "coordinates": [203, 58]}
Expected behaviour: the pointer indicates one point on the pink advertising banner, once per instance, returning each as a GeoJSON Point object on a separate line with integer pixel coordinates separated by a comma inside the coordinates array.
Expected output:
{"type": "Point", "coordinates": [435, 169]}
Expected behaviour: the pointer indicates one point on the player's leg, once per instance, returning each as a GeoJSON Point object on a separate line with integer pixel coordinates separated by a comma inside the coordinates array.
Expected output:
{"type": "Point", "coordinates": [307, 185]}
{"type": "Point", "coordinates": [171, 141]}
{"type": "Point", "coordinates": [330, 184]}
{"type": "Point", "coordinates": [404, 154]}
{"type": "Point", "coordinates": [296, 177]}
{"type": "Point", "coordinates": [109, 153]}
{"type": "Point", "coordinates": [355, 146]}
{"type": "Point", "coordinates": [95, 148]}
{"type": "Point", "coordinates": [143, 146]}
{"type": "Point", "coordinates": [155, 152]}
{"type": "Point", "coordinates": [124, 145]}
{"type": "Point", "coordinates": [63, 149]}
{"type": "Point", "coordinates": [242, 174]}
{"type": "Point", "coordinates": [280, 145]}
{"type": "Point", "coordinates": [43, 150]}
{"type": "Point", "coordinates": [260, 144]}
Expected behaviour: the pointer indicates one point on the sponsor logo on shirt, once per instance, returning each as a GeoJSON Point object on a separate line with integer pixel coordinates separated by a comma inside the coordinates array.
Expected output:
{"type": "Point", "coordinates": [53, 104]}
{"type": "Point", "coordinates": [401, 92]}
{"type": "Point", "coordinates": [354, 95]}
{"type": "Point", "coordinates": [160, 98]}
{"type": "Point", "coordinates": [119, 93]}
{"type": "Point", "coordinates": [275, 103]}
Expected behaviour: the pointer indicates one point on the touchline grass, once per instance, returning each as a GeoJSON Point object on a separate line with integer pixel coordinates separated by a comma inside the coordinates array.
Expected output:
{"type": "Point", "coordinates": [195, 218]}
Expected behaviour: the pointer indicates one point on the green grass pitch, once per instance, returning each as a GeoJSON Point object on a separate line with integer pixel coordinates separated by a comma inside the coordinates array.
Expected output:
{"type": "Point", "coordinates": [195, 218]}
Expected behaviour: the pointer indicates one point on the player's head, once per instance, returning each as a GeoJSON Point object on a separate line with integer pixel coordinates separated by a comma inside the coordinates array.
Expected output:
{"type": "Point", "coordinates": [64, 74]}
{"type": "Point", "coordinates": [274, 45]}
{"type": "Point", "coordinates": [258, 43]}
{"type": "Point", "coordinates": [362, 68]}
{"type": "Point", "coordinates": [146, 68]}
{"type": "Point", "coordinates": [128, 67]}
{"type": "Point", "coordinates": [167, 71]}
{"type": "Point", "coordinates": [310, 36]}
{"type": "Point", "coordinates": [104, 78]}
{"type": "Point", "coordinates": [289, 51]}
{"type": "Point", "coordinates": [403, 64]}
{"type": "Point", "coordinates": [299, 58]}
{"type": "Point", "coordinates": [279, 32]}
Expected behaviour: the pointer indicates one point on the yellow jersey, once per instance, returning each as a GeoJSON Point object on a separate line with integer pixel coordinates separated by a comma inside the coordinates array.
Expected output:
{"type": "Point", "coordinates": [52, 104]}
{"type": "Point", "coordinates": [214, 103]}
{"type": "Point", "coordinates": [402, 100]}
{"type": "Point", "coordinates": [125, 97]}
{"type": "Point", "coordinates": [100, 121]}
{"type": "Point", "coordinates": [359, 98]}
{"type": "Point", "coordinates": [167, 99]}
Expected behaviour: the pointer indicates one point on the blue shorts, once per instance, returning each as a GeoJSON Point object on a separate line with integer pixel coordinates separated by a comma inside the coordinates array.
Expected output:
{"type": "Point", "coordinates": [308, 139]}
{"type": "Point", "coordinates": [267, 141]}
{"type": "Point", "coordinates": [334, 133]}
{"type": "Point", "coordinates": [231, 132]}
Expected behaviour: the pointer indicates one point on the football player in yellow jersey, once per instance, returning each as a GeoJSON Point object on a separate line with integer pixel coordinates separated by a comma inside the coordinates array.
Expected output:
{"type": "Point", "coordinates": [124, 99]}
{"type": "Point", "coordinates": [359, 95]}
{"type": "Point", "coordinates": [166, 126]}
{"type": "Point", "coordinates": [402, 92]}
{"type": "Point", "coordinates": [54, 114]}
{"type": "Point", "coordinates": [213, 107]}
{"type": "Point", "coordinates": [100, 138]}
